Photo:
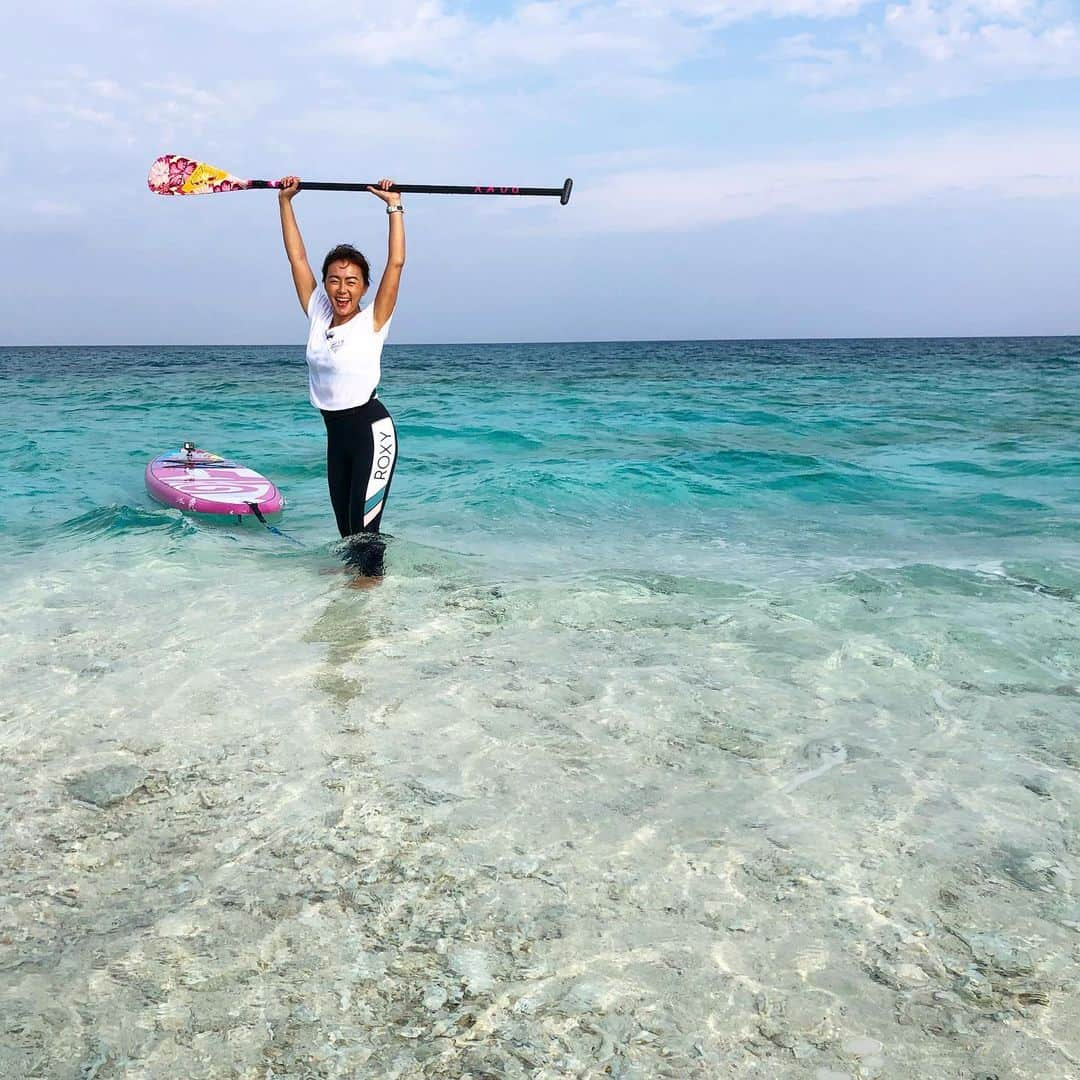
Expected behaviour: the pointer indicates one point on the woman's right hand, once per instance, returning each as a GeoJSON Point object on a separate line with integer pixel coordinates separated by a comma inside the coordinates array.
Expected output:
{"type": "Point", "coordinates": [288, 186]}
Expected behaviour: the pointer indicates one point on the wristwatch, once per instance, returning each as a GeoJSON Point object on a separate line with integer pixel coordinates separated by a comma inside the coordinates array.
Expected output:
{"type": "Point", "coordinates": [396, 209]}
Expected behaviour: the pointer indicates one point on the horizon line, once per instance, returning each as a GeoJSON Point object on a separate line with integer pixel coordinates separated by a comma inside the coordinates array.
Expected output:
{"type": "Point", "coordinates": [566, 341]}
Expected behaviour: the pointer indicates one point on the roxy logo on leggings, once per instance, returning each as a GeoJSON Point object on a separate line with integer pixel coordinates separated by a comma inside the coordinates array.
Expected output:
{"type": "Point", "coordinates": [384, 455]}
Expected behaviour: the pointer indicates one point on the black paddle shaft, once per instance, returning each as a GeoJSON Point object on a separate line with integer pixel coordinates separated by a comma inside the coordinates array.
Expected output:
{"type": "Point", "coordinates": [563, 193]}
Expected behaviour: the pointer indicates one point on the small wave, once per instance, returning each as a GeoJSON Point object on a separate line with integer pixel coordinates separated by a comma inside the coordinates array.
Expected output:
{"type": "Point", "coordinates": [110, 520]}
{"type": "Point", "coordinates": [928, 578]}
{"type": "Point", "coordinates": [737, 460]}
{"type": "Point", "coordinates": [830, 486]}
{"type": "Point", "coordinates": [1041, 588]}
{"type": "Point", "coordinates": [501, 437]}
{"type": "Point", "coordinates": [961, 468]}
{"type": "Point", "coordinates": [663, 585]}
{"type": "Point", "coordinates": [993, 500]}
{"type": "Point", "coordinates": [418, 430]}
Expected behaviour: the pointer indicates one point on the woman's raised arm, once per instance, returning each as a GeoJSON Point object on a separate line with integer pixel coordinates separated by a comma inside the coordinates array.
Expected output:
{"type": "Point", "coordinates": [386, 297]}
{"type": "Point", "coordinates": [302, 275]}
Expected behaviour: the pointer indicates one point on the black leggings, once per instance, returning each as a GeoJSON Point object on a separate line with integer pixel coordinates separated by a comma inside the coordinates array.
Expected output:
{"type": "Point", "coordinates": [361, 452]}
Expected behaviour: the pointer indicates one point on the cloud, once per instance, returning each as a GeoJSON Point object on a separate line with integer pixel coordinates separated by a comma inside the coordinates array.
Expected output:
{"type": "Point", "coordinates": [28, 215]}
{"type": "Point", "coordinates": [78, 125]}
{"type": "Point", "coordinates": [534, 36]}
{"type": "Point", "coordinates": [49, 210]}
{"type": "Point", "coordinates": [721, 13]}
{"type": "Point", "coordinates": [1010, 37]}
{"type": "Point", "coordinates": [1014, 164]}
{"type": "Point", "coordinates": [629, 36]}
{"type": "Point", "coordinates": [926, 50]}
{"type": "Point", "coordinates": [82, 109]}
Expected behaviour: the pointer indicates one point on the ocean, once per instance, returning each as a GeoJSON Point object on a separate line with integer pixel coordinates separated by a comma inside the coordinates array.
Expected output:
{"type": "Point", "coordinates": [718, 715]}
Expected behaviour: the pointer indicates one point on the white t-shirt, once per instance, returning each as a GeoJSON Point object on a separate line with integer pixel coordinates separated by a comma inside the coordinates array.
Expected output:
{"type": "Point", "coordinates": [344, 362]}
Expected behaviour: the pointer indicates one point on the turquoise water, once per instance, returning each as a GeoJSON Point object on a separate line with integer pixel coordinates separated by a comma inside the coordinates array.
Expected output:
{"type": "Point", "coordinates": [719, 712]}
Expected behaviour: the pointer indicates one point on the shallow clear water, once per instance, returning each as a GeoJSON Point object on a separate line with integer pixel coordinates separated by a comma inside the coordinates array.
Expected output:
{"type": "Point", "coordinates": [719, 714]}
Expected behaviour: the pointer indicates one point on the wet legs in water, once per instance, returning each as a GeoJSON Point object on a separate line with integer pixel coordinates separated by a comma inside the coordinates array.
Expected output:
{"type": "Point", "coordinates": [361, 452]}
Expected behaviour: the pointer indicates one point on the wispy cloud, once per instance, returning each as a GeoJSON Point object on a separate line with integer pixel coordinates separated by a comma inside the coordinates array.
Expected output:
{"type": "Point", "coordinates": [77, 108]}
{"type": "Point", "coordinates": [721, 13]}
{"type": "Point", "coordinates": [619, 35]}
{"type": "Point", "coordinates": [86, 108]}
{"type": "Point", "coordinates": [921, 51]}
{"type": "Point", "coordinates": [49, 210]}
{"type": "Point", "coordinates": [1013, 164]}
{"type": "Point", "coordinates": [533, 36]}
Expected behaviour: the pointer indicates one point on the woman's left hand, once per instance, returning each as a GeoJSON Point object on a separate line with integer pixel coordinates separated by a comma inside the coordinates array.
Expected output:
{"type": "Point", "coordinates": [391, 198]}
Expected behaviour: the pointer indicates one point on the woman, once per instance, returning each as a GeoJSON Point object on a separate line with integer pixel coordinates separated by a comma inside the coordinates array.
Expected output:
{"type": "Point", "coordinates": [344, 351]}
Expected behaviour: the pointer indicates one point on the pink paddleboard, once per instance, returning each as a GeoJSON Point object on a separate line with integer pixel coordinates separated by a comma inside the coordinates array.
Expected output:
{"type": "Point", "coordinates": [192, 479]}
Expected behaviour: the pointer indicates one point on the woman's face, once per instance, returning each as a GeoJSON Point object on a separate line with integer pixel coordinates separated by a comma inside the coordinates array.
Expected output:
{"type": "Point", "coordinates": [344, 284]}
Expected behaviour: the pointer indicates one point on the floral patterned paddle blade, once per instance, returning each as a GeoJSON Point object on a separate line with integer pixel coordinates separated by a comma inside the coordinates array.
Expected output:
{"type": "Point", "coordinates": [175, 175]}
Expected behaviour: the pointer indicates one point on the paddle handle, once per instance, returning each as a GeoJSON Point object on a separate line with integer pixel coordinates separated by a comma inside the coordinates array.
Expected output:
{"type": "Point", "coordinates": [563, 193]}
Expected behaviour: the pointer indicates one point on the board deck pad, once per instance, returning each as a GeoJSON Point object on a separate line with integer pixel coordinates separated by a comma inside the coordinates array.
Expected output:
{"type": "Point", "coordinates": [210, 484]}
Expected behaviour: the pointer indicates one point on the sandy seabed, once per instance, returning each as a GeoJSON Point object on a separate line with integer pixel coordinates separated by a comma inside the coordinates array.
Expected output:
{"type": "Point", "coordinates": [634, 827]}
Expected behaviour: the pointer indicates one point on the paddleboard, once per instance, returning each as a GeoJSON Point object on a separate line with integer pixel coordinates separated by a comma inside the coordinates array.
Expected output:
{"type": "Point", "coordinates": [194, 479]}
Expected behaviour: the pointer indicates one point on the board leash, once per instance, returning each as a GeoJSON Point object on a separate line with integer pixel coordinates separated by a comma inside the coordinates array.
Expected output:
{"type": "Point", "coordinates": [273, 528]}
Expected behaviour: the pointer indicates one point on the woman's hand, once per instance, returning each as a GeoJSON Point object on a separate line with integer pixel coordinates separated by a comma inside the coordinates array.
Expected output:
{"type": "Point", "coordinates": [391, 198]}
{"type": "Point", "coordinates": [288, 186]}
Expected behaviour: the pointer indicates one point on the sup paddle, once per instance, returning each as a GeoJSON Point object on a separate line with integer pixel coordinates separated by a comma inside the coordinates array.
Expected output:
{"type": "Point", "coordinates": [175, 175]}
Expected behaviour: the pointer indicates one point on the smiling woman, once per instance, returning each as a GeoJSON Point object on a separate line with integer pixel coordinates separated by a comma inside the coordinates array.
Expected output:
{"type": "Point", "coordinates": [344, 355]}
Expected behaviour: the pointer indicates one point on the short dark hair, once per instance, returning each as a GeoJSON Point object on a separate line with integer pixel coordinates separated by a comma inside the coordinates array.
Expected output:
{"type": "Point", "coordinates": [347, 253]}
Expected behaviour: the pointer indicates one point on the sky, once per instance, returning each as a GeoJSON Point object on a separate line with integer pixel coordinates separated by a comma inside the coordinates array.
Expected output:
{"type": "Point", "coordinates": [742, 168]}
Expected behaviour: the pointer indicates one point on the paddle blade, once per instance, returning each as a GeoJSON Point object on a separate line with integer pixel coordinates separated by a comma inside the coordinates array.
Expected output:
{"type": "Point", "coordinates": [175, 175]}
